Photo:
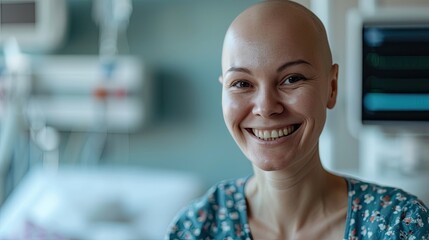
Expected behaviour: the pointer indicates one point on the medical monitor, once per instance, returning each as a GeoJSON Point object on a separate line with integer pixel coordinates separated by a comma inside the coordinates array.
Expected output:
{"type": "Point", "coordinates": [388, 69]}
{"type": "Point", "coordinates": [395, 72]}
{"type": "Point", "coordinates": [37, 25]}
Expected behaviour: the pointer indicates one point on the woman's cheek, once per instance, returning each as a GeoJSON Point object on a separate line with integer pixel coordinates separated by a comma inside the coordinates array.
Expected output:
{"type": "Point", "coordinates": [229, 106]}
{"type": "Point", "coordinates": [233, 110]}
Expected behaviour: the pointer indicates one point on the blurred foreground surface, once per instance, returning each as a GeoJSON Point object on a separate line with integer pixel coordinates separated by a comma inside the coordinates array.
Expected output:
{"type": "Point", "coordinates": [95, 203]}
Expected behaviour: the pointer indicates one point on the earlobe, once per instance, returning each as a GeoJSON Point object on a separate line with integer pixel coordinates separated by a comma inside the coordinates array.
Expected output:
{"type": "Point", "coordinates": [333, 86]}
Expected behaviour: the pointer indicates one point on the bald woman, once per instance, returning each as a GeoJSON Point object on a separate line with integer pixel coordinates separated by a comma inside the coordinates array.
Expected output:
{"type": "Point", "coordinates": [278, 81]}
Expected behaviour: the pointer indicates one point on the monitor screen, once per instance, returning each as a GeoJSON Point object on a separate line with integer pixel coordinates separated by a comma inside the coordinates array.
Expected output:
{"type": "Point", "coordinates": [395, 60]}
{"type": "Point", "coordinates": [17, 13]}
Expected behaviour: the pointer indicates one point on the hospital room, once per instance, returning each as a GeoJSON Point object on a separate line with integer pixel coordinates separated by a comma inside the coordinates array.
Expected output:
{"type": "Point", "coordinates": [112, 120]}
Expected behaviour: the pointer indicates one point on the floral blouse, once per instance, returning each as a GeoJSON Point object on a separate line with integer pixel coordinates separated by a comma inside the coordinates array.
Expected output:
{"type": "Point", "coordinates": [374, 212]}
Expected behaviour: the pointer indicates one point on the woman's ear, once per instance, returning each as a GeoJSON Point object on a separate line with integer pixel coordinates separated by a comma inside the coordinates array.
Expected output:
{"type": "Point", "coordinates": [333, 86]}
{"type": "Point", "coordinates": [220, 79]}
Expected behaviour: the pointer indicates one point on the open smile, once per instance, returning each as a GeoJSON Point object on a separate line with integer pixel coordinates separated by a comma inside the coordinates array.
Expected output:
{"type": "Point", "coordinates": [273, 134]}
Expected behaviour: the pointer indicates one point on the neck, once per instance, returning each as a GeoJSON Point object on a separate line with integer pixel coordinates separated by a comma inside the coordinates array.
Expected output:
{"type": "Point", "coordinates": [301, 194]}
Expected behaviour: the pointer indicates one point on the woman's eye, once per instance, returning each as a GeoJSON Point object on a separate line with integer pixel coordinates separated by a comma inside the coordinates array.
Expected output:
{"type": "Point", "coordinates": [241, 84]}
{"type": "Point", "coordinates": [292, 79]}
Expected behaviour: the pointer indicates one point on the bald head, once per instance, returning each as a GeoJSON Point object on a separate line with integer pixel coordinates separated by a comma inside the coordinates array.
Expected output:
{"type": "Point", "coordinates": [278, 23]}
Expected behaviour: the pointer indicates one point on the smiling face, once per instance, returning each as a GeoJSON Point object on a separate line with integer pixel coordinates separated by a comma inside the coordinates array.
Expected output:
{"type": "Point", "coordinates": [278, 81]}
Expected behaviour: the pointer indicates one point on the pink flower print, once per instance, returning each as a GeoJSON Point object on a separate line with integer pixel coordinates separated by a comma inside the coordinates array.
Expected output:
{"type": "Point", "coordinates": [352, 235]}
{"type": "Point", "coordinates": [364, 187]}
{"type": "Point", "coordinates": [385, 201]}
{"type": "Point", "coordinates": [407, 220]}
{"type": "Point", "coordinates": [229, 191]}
{"type": "Point", "coordinates": [188, 236]}
{"type": "Point", "coordinates": [238, 230]}
{"type": "Point", "coordinates": [234, 215]}
{"type": "Point", "coordinates": [374, 216]}
{"type": "Point", "coordinates": [240, 182]}
{"type": "Point", "coordinates": [356, 206]}
{"type": "Point", "coordinates": [202, 216]}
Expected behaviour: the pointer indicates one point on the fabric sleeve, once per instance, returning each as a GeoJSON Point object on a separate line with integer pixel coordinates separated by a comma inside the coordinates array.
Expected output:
{"type": "Point", "coordinates": [192, 222]}
{"type": "Point", "coordinates": [414, 221]}
{"type": "Point", "coordinates": [182, 226]}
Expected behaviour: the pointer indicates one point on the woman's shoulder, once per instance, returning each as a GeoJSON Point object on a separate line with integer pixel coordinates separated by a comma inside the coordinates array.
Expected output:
{"type": "Point", "coordinates": [371, 195]}
{"type": "Point", "coordinates": [222, 210]}
{"type": "Point", "coordinates": [385, 212]}
{"type": "Point", "coordinates": [359, 188]}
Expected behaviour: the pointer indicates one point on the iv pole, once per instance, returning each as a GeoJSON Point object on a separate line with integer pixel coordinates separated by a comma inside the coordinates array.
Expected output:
{"type": "Point", "coordinates": [112, 17]}
{"type": "Point", "coordinates": [17, 80]}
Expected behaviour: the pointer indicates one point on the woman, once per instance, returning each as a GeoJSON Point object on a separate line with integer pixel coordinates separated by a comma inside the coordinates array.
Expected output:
{"type": "Point", "coordinates": [278, 80]}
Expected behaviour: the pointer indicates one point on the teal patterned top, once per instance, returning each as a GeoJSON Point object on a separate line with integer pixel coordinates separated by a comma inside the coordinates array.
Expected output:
{"type": "Point", "coordinates": [374, 212]}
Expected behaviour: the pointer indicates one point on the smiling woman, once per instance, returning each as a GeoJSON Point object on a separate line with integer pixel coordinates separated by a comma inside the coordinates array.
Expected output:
{"type": "Point", "coordinates": [275, 81]}
{"type": "Point", "coordinates": [278, 82]}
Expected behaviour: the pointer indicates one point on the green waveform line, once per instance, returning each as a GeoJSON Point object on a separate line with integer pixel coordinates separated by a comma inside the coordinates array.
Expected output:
{"type": "Point", "coordinates": [398, 62]}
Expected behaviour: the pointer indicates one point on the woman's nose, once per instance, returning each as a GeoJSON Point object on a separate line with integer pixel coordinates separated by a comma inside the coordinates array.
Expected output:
{"type": "Point", "coordinates": [267, 104]}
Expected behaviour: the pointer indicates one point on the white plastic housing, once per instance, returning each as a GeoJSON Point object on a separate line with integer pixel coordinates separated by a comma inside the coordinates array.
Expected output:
{"type": "Point", "coordinates": [45, 34]}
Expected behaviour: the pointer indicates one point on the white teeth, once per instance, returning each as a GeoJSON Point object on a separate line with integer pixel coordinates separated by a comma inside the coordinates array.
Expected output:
{"type": "Point", "coordinates": [285, 131]}
{"type": "Point", "coordinates": [273, 134]}
{"type": "Point", "coordinates": [266, 135]}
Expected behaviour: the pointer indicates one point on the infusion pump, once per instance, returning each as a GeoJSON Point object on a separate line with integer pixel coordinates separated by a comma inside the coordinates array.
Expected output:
{"type": "Point", "coordinates": [37, 25]}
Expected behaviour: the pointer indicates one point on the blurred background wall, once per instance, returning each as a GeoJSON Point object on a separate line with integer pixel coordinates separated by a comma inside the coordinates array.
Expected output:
{"type": "Point", "coordinates": [180, 43]}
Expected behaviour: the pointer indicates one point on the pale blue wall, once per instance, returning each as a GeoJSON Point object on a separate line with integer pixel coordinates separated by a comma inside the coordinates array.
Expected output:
{"type": "Point", "coordinates": [180, 43]}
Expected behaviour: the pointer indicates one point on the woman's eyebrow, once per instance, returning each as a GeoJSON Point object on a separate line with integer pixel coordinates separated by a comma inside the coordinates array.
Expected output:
{"type": "Point", "coordinates": [238, 69]}
{"type": "Point", "coordinates": [281, 68]}
{"type": "Point", "coordinates": [292, 63]}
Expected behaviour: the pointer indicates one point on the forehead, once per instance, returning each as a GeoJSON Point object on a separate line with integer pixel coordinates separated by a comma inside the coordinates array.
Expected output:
{"type": "Point", "coordinates": [269, 36]}
{"type": "Point", "coordinates": [269, 49]}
